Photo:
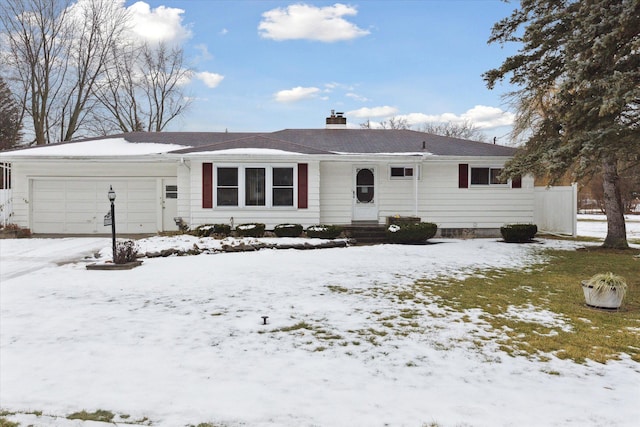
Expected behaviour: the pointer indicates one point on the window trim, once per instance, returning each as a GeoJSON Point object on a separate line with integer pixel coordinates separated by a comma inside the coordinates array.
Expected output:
{"type": "Point", "coordinates": [217, 186]}
{"type": "Point", "coordinates": [268, 168]}
{"type": "Point", "coordinates": [291, 187]}
{"type": "Point", "coordinates": [489, 183]}
{"type": "Point", "coordinates": [405, 177]}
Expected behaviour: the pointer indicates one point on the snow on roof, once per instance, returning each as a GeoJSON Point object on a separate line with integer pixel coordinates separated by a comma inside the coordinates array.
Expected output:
{"type": "Point", "coordinates": [417, 153]}
{"type": "Point", "coordinates": [249, 151]}
{"type": "Point", "coordinates": [98, 147]}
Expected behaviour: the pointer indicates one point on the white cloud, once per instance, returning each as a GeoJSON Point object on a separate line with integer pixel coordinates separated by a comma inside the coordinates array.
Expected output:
{"type": "Point", "coordinates": [356, 97]}
{"type": "Point", "coordinates": [162, 24]}
{"type": "Point", "coordinates": [302, 21]}
{"type": "Point", "coordinates": [481, 116]}
{"type": "Point", "coordinates": [365, 113]}
{"type": "Point", "coordinates": [211, 80]}
{"type": "Point", "coordinates": [296, 94]}
{"type": "Point", "coordinates": [204, 55]}
{"type": "Point", "coordinates": [489, 117]}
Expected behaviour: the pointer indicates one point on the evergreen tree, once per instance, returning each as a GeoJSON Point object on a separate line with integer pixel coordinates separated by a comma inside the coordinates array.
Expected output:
{"type": "Point", "coordinates": [578, 96]}
{"type": "Point", "coordinates": [10, 118]}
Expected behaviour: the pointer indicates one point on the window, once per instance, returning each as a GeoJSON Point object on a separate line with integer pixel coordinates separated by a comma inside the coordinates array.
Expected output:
{"type": "Point", "coordinates": [227, 187]}
{"type": "Point", "coordinates": [400, 172]}
{"type": "Point", "coordinates": [5, 176]}
{"type": "Point", "coordinates": [255, 186]}
{"type": "Point", "coordinates": [486, 176]}
{"type": "Point", "coordinates": [171, 192]}
{"type": "Point", "coordinates": [282, 186]}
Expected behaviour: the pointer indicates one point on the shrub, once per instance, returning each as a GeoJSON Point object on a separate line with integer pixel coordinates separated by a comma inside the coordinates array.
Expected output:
{"type": "Point", "coordinates": [322, 231]}
{"type": "Point", "coordinates": [16, 230]}
{"type": "Point", "coordinates": [411, 233]}
{"type": "Point", "coordinates": [254, 229]}
{"type": "Point", "coordinates": [288, 230]}
{"type": "Point", "coordinates": [207, 230]}
{"type": "Point", "coordinates": [518, 233]}
{"type": "Point", "coordinates": [126, 251]}
{"type": "Point", "coordinates": [604, 282]}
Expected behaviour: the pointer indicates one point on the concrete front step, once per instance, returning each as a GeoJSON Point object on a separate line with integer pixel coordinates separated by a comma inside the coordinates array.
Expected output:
{"type": "Point", "coordinates": [366, 233]}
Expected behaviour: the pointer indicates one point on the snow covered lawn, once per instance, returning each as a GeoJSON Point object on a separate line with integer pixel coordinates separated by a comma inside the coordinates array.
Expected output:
{"type": "Point", "coordinates": [181, 341]}
{"type": "Point", "coordinates": [596, 226]}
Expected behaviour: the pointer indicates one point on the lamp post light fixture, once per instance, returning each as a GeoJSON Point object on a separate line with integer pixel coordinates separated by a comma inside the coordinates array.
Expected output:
{"type": "Point", "coordinates": [112, 197]}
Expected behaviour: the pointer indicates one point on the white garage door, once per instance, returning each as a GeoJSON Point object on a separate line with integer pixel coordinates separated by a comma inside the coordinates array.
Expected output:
{"type": "Point", "coordinates": [78, 206]}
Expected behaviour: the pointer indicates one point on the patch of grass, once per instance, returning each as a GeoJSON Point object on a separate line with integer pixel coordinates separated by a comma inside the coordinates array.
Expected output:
{"type": "Point", "coordinates": [296, 327]}
{"type": "Point", "coordinates": [338, 289]}
{"type": "Point", "coordinates": [99, 415]}
{"type": "Point", "coordinates": [6, 423]}
{"type": "Point", "coordinates": [562, 324]}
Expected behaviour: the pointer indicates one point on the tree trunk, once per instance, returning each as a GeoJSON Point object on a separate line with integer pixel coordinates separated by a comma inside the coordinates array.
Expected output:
{"type": "Point", "coordinates": [616, 229]}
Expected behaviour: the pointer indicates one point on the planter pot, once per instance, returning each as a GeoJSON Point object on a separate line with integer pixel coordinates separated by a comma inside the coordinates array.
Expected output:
{"type": "Point", "coordinates": [609, 299]}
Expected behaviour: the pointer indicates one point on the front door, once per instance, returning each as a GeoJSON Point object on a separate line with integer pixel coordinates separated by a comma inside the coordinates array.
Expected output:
{"type": "Point", "coordinates": [169, 204]}
{"type": "Point", "coordinates": [365, 203]}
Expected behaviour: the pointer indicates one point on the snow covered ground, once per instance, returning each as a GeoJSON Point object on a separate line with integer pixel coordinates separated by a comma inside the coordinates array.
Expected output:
{"type": "Point", "coordinates": [596, 226]}
{"type": "Point", "coordinates": [181, 341]}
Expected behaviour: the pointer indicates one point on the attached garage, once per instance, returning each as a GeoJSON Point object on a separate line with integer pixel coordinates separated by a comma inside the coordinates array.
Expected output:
{"type": "Point", "coordinates": [78, 205]}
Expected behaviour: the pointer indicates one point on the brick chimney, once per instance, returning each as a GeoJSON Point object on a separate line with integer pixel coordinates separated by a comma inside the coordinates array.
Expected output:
{"type": "Point", "coordinates": [336, 121]}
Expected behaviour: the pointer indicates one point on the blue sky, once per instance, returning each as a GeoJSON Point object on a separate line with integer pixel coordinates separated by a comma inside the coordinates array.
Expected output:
{"type": "Point", "coordinates": [270, 65]}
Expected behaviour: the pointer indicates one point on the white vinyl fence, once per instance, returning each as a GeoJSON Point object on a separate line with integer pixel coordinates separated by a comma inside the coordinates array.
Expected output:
{"type": "Point", "coordinates": [556, 209]}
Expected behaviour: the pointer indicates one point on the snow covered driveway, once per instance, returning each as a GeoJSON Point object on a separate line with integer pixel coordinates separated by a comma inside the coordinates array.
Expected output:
{"type": "Point", "coordinates": [180, 340]}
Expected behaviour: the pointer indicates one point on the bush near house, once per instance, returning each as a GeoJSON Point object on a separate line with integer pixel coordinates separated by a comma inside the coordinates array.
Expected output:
{"type": "Point", "coordinates": [418, 232]}
{"type": "Point", "coordinates": [288, 230]}
{"type": "Point", "coordinates": [254, 229]}
{"type": "Point", "coordinates": [14, 231]}
{"type": "Point", "coordinates": [126, 251]}
{"type": "Point", "coordinates": [322, 231]}
{"type": "Point", "coordinates": [208, 230]}
{"type": "Point", "coordinates": [518, 233]}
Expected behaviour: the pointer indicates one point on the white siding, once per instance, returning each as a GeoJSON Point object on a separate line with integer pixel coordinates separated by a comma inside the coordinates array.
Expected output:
{"type": "Point", "coordinates": [184, 192]}
{"type": "Point", "coordinates": [439, 199]}
{"type": "Point", "coordinates": [487, 206]}
{"type": "Point", "coordinates": [336, 192]}
{"type": "Point", "coordinates": [270, 216]}
{"type": "Point", "coordinates": [140, 193]}
{"type": "Point", "coordinates": [330, 192]}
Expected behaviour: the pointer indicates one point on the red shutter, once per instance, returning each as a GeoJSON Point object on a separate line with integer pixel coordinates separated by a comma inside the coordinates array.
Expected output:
{"type": "Point", "coordinates": [303, 185]}
{"type": "Point", "coordinates": [516, 182]}
{"type": "Point", "coordinates": [463, 175]}
{"type": "Point", "coordinates": [207, 185]}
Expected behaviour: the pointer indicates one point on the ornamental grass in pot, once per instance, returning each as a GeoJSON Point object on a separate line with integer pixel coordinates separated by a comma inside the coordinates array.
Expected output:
{"type": "Point", "coordinates": [604, 290]}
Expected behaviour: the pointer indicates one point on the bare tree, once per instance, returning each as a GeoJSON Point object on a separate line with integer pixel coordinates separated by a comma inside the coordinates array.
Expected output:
{"type": "Point", "coordinates": [463, 130]}
{"type": "Point", "coordinates": [393, 123]}
{"type": "Point", "coordinates": [57, 53]}
{"type": "Point", "coordinates": [35, 32]}
{"type": "Point", "coordinates": [97, 26]}
{"type": "Point", "coordinates": [145, 90]}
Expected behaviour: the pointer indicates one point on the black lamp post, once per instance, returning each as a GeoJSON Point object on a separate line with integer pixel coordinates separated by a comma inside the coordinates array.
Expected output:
{"type": "Point", "coordinates": [112, 197]}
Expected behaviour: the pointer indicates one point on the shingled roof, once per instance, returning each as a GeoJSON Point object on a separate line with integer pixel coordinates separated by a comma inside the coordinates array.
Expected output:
{"type": "Point", "coordinates": [326, 141]}
{"type": "Point", "coordinates": [306, 141]}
